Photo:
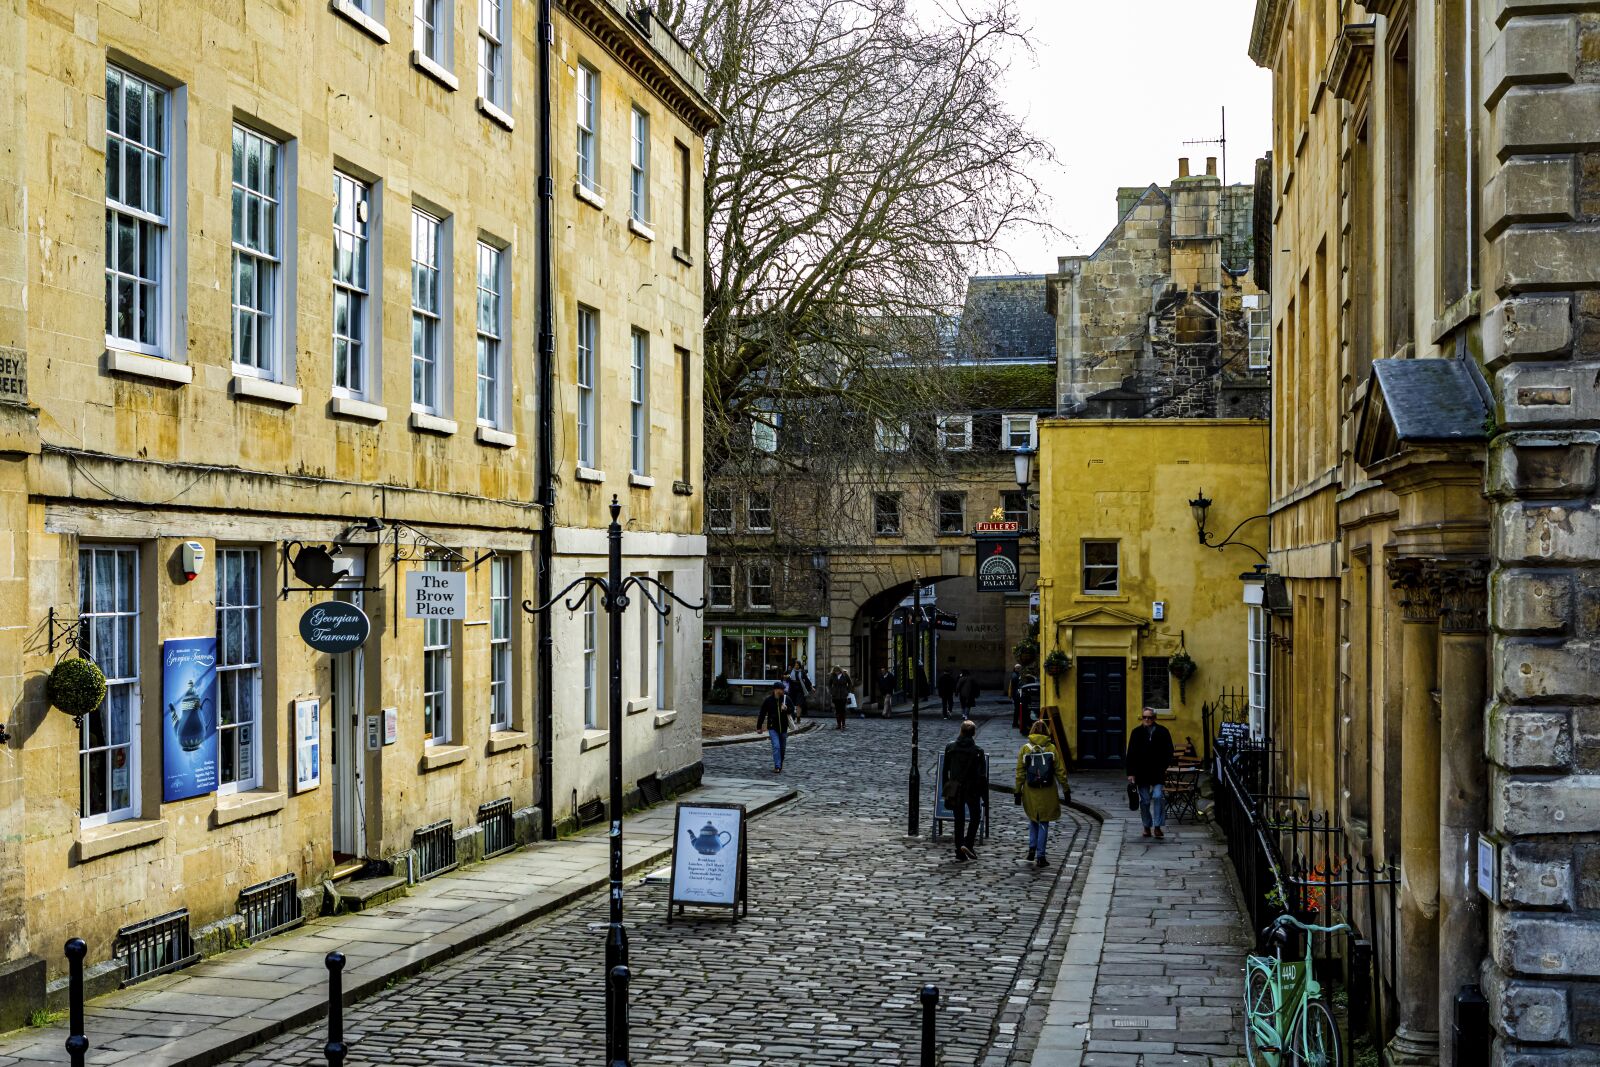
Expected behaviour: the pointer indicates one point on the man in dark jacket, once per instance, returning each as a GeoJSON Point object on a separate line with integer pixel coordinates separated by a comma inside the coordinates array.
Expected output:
{"type": "Point", "coordinates": [947, 693]}
{"type": "Point", "coordinates": [966, 787]}
{"type": "Point", "coordinates": [774, 717]}
{"type": "Point", "coordinates": [1014, 691]}
{"type": "Point", "coordinates": [967, 691]}
{"type": "Point", "coordinates": [886, 682]}
{"type": "Point", "coordinates": [839, 686]}
{"type": "Point", "coordinates": [1149, 756]}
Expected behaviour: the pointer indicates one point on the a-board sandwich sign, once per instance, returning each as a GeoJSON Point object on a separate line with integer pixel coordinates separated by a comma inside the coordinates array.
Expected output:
{"type": "Point", "coordinates": [709, 858]}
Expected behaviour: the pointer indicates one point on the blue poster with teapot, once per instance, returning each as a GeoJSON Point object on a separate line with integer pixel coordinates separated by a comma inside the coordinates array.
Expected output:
{"type": "Point", "coordinates": [709, 858]}
{"type": "Point", "coordinates": [188, 717]}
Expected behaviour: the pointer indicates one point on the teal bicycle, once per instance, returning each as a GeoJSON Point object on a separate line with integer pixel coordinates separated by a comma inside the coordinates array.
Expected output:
{"type": "Point", "coordinates": [1286, 1019]}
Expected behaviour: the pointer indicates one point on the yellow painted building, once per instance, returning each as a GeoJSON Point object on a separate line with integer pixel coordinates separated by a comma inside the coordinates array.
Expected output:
{"type": "Point", "coordinates": [1125, 583]}
{"type": "Point", "coordinates": [274, 295]}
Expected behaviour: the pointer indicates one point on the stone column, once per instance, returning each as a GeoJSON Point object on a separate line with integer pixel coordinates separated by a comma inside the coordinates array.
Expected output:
{"type": "Point", "coordinates": [1416, 1041]}
{"type": "Point", "coordinates": [1463, 781]}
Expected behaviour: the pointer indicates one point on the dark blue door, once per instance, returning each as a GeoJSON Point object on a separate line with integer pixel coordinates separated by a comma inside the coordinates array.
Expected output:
{"type": "Point", "coordinates": [1102, 710]}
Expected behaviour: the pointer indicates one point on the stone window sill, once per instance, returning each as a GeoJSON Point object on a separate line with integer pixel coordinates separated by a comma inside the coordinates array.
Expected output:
{"type": "Point", "coordinates": [488, 435]}
{"type": "Point", "coordinates": [682, 257]}
{"type": "Point", "coordinates": [588, 195]}
{"type": "Point", "coordinates": [1101, 598]}
{"type": "Point", "coordinates": [665, 719]}
{"type": "Point", "coordinates": [247, 387]}
{"type": "Point", "coordinates": [593, 739]}
{"type": "Point", "coordinates": [423, 422]}
{"type": "Point", "coordinates": [98, 841]}
{"type": "Point", "coordinates": [377, 30]}
{"type": "Point", "coordinates": [633, 707]}
{"type": "Point", "coordinates": [495, 114]}
{"type": "Point", "coordinates": [639, 229]}
{"type": "Point", "coordinates": [434, 70]}
{"type": "Point", "coordinates": [250, 804]}
{"type": "Point", "coordinates": [142, 366]}
{"type": "Point", "coordinates": [351, 408]}
{"type": "Point", "coordinates": [641, 481]}
{"type": "Point", "coordinates": [590, 474]}
{"type": "Point", "coordinates": [507, 740]}
{"type": "Point", "coordinates": [435, 757]}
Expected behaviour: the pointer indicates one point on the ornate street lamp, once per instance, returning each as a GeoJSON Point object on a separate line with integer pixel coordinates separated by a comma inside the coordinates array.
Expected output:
{"type": "Point", "coordinates": [613, 590]}
{"type": "Point", "coordinates": [1024, 461]}
{"type": "Point", "coordinates": [1199, 507]}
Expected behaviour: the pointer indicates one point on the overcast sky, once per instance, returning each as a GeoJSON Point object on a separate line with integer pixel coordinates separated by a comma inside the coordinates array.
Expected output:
{"type": "Point", "coordinates": [1117, 88]}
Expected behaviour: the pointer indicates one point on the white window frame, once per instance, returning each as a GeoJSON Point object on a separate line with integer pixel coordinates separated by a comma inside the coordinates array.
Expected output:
{"type": "Point", "coordinates": [888, 439]}
{"type": "Point", "coordinates": [239, 673]}
{"type": "Point", "coordinates": [750, 509]}
{"type": "Point", "coordinates": [1007, 435]}
{"type": "Point", "coordinates": [639, 403]}
{"type": "Point", "coordinates": [493, 327]}
{"type": "Point", "coordinates": [588, 127]}
{"type": "Point", "coordinates": [257, 216]}
{"type": "Point", "coordinates": [1085, 565]}
{"type": "Point", "coordinates": [715, 589]}
{"type": "Point", "coordinates": [752, 583]}
{"type": "Point", "coordinates": [1259, 321]}
{"type": "Point", "coordinates": [430, 333]}
{"type": "Point", "coordinates": [940, 512]}
{"type": "Point", "coordinates": [438, 655]}
{"type": "Point", "coordinates": [955, 433]}
{"type": "Point", "coordinates": [713, 508]}
{"type": "Point", "coordinates": [899, 516]}
{"type": "Point", "coordinates": [494, 32]}
{"type": "Point", "coordinates": [639, 167]}
{"type": "Point", "coordinates": [588, 410]}
{"type": "Point", "coordinates": [433, 23]}
{"type": "Point", "coordinates": [664, 652]}
{"type": "Point", "coordinates": [590, 621]}
{"type": "Point", "coordinates": [500, 659]}
{"type": "Point", "coordinates": [355, 226]}
{"type": "Point", "coordinates": [1256, 641]}
{"type": "Point", "coordinates": [133, 217]}
{"type": "Point", "coordinates": [115, 624]}
{"type": "Point", "coordinates": [764, 432]}
{"type": "Point", "coordinates": [645, 641]}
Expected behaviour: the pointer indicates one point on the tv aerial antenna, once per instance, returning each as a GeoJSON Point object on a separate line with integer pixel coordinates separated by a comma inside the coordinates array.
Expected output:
{"type": "Point", "coordinates": [1221, 142]}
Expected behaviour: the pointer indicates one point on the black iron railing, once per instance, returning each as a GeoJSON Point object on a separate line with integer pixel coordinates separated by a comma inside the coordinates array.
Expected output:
{"type": "Point", "coordinates": [435, 849]}
{"type": "Point", "coordinates": [499, 832]}
{"type": "Point", "coordinates": [155, 946]}
{"type": "Point", "coordinates": [271, 907]}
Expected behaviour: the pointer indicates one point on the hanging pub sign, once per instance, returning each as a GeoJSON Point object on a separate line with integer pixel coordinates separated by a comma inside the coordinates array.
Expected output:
{"type": "Point", "coordinates": [999, 563]}
{"type": "Point", "coordinates": [334, 627]}
{"type": "Point", "coordinates": [436, 595]}
{"type": "Point", "coordinates": [189, 718]}
{"type": "Point", "coordinates": [709, 859]}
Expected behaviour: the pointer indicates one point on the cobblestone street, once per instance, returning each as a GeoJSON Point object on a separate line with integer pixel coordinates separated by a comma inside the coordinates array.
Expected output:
{"type": "Point", "coordinates": [847, 920]}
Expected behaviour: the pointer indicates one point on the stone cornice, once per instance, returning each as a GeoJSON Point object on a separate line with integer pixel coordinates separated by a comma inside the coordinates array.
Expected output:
{"type": "Point", "coordinates": [1267, 29]}
{"type": "Point", "coordinates": [1350, 65]}
{"type": "Point", "coordinates": [1387, 8]}
{"type": "Point", "coordinates": [601, 20]}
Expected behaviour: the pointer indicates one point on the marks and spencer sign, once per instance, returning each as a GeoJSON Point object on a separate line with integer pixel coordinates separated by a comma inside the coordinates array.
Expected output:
{"type": "Point", "coordinates": [334, 627]}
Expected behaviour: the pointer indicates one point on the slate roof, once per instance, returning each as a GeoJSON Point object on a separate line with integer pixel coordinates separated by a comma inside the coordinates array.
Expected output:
{"type": "Point", "coordinates": [1432, 399]}
{"type": "Point", "coordinates": [1005, 319]}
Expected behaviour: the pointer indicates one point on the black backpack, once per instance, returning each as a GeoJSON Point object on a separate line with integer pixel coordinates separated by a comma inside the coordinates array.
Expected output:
{"type": "Point", "coordinates": [1039, 768]}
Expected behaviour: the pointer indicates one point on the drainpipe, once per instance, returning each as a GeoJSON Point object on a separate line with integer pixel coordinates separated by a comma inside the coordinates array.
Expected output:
{"type": "Point", "coordinates": [547, 442]}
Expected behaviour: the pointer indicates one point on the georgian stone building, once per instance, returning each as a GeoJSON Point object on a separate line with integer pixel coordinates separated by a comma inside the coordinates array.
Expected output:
{"type": "Point", "coordinates": [268, 343]}
{"type": "Point", "coordinates": [1435, 543]}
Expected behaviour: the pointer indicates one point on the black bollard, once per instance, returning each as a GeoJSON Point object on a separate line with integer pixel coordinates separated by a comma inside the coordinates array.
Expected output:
{"type": "Point", "coordinates": [77, 1044]}
{"type": "Point", "coordinates": [619, 1017]}
{"type": "Point", "coordinates": [335, 1049]}
{"type": "Point", "coordinates": [930, 1004]}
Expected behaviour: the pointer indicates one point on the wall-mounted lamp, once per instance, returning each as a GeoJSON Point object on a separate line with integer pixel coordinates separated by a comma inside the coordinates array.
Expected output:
{"type": "Point", "coordinates": [1199, 507]}
{"type": "Point", "coordinates": [1024, 461]}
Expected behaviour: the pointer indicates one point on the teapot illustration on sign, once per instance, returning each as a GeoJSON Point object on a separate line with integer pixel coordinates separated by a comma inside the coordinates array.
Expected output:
{"type": "Point", "coordinates": [710, 841]}
{"type": "Point", "coordinates": [187, 717]}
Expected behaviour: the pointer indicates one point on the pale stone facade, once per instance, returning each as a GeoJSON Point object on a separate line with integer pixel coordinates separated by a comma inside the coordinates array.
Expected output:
{"type": "Point", "coordinates": [1433, 484]}
{"type": "Point", "coordinates": [324, 221]}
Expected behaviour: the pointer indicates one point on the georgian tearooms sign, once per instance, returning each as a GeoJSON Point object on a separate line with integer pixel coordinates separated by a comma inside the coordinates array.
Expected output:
{"type": "Point", "coordinates": [334, 627]}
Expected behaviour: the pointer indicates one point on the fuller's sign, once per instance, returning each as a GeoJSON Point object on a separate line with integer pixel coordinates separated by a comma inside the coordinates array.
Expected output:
{"type": "Point", "coordinates": [997, 527]}
{"type": "Point", "coordinates": [999, 565]}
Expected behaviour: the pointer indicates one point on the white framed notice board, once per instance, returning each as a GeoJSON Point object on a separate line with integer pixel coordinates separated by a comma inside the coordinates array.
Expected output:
{"type": "Point", "coordinates": [709, 859]}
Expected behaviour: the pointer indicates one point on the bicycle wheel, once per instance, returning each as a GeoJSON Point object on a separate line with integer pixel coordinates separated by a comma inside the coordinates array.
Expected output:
{"type": "Point", "coordinates": [1259, 1003]}
{"type": "Point", "coordinates": [1314, 1039]}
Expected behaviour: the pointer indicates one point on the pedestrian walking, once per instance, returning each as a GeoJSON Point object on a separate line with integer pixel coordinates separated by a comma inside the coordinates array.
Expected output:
{"type": "Point", "coordinates": [886, 692]}
{"type": "Point", "coordinates": [947, 693]}
{"type": "Point", "coordinates": [1039, 770]}
{"type": "Point", "coordinates": [799, 689]}
{"type": "Point", "coordinates": [1149, 756]}
{"type": "Point", "coordinates": [966, 787]}
{"type": "Point", "coordinates": [1014, 691]}
{"type": "Point", "coordinates": [839, 687]}
{"type": "Point", "coordinates": [967, 692]}
{"type": "Point", "coordinates": [774, 716]}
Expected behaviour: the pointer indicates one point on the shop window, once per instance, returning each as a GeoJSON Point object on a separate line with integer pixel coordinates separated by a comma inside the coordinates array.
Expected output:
{"type": "Point", "coordinates": [437, 650]}
{"type": "Point", "coordinates": [108, 739]}
{"type": "Point", "coordinates": [238, 668]}
{"type": "Point", "coordinates": [755, 654]}
{"type": "Point", "coordinates": [500, 643]}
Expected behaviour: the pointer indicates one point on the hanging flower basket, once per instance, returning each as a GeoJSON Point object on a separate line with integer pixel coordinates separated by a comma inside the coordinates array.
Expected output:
{"type": "Point", "coordinates": [76, 686]}
{"type": "Point", "coordinates": [1182, 666]}
{"type": "Point", "coordinates": [1057, 663]}
{"type": "Point", "coordinates": [1027, 651]}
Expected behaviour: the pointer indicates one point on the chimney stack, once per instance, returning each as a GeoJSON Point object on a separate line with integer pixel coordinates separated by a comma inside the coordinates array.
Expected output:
{"type": "Point", "coordinates": [1183, 166]}
{"type": "Point", "coordinates": [1211, 166]}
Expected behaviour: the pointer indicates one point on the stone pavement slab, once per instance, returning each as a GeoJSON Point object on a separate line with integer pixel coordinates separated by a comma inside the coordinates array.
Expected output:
{"type": "Point", "coordinates": [1153, 970]}
{"type": "Point", "coordinates": [229, 1002]}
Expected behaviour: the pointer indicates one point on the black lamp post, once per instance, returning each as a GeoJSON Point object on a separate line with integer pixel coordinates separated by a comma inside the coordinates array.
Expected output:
{"type": "Point", "coordinates": [914, 784]}
{"type": "Point", "coordinates": [613, 590]}
{"type": "Point", "coordinates": [1199, 507]}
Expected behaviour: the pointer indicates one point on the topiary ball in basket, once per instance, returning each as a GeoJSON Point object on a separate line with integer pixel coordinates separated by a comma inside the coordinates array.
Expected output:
{"type": "Point", "coordinates": [76, 686]}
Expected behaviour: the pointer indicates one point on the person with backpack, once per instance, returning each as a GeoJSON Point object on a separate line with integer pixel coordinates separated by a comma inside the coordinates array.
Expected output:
{"type": "Point", "coordinates": [967, 692]}
{"type": "Point", "coordinates": [774, 716]}
{"type": "Point", "coordinates": [966, 787]}
{"type": "Point", "coordinates": [1039, 769]}
{"type": "Point", "coordinates": [839, 687]}
{"type": "Point", "coordinates": [886, 691]}
{"type": "Point", "coordinates": [947, 693]}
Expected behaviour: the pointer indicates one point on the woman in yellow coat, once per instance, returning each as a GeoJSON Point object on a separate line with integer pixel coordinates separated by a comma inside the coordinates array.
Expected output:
{"type": "Point", "coordinates": [1039, 769]}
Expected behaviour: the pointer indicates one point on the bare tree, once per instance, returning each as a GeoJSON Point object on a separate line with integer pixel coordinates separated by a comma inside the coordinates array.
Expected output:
{"type": "Point", "coordinates": [865, 166]}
